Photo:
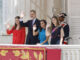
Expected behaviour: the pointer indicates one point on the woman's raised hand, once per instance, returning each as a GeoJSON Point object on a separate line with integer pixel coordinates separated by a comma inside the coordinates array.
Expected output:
{"type": "Point", "coordinates": [48, 30]}
{"type": "Point", "coordinates": [22, 14]}
{"type": "Point", "coordinates": [7, 26]}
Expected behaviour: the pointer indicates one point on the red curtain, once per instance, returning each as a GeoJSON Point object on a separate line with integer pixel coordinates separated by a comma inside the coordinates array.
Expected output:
{"type": "Point", "coordinates": [22, 53]}
{"type": "Point", "coordinates": [53, 54]}
{"type": "Point", "coordinates": [29, 53]}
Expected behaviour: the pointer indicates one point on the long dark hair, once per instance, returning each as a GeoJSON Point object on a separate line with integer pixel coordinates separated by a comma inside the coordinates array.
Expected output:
{"type": "Point", "coordinates": [44, 22]}
{"type": "Point", "coordinates": [17, 17]}
{"type": "Point", "coordinates": [52, 25]}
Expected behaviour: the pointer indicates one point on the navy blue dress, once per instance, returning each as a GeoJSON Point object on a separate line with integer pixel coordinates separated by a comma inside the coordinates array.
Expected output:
{"type": "Point", "coordinates": [55, 35]}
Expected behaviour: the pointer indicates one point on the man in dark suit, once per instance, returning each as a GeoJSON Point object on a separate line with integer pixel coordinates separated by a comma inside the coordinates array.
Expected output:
{"type": "Point", "coordinates": [32, 40]}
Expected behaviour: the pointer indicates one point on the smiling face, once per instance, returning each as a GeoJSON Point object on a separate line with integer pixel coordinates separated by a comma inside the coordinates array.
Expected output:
{"type": "Point", "coordinates": [32, 15]}
{"type": "Point", "coordinates": [54, 21]}
{"type": "Point", "coordinates": [61, 19]}
{"type": "Point", "coordinates": [17, 21]}
{"type": "Point", "coordinates": [42, 24]}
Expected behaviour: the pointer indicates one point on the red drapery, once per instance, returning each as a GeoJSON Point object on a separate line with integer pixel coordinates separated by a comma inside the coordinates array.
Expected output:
{"type": "Point", "coordinates": [53, 54]}
{"type": "Point", "coordinates": [22, 53]}
{"type": "Point", "coordinates": [29, 53]}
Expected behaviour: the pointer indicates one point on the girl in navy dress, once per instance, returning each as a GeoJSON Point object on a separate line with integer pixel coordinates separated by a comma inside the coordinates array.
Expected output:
{"type": "Point", "coordinates": [57, 32]}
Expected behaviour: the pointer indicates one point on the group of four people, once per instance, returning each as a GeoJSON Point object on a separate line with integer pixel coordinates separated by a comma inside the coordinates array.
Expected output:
{"type": "Point", "coordinates": [38, 30]}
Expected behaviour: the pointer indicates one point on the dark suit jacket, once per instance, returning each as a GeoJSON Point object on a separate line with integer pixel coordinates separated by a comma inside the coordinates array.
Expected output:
{"type": "Point", "coordinates": [30, 38]}
{"type": "Point", "coordinates": [66, 31]}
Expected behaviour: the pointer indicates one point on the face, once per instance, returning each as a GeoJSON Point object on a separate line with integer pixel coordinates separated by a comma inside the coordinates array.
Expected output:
{"type": "Point", "coordinates": [61, 19]}
{"type": "Point", "coordinates": [43, 25]}
{"type": "Point", "coordinates": [54, 21]}
{"type": "Point", "coordinates": [17, 21]}
{"type": "Point", "coordinates": [32, 15]}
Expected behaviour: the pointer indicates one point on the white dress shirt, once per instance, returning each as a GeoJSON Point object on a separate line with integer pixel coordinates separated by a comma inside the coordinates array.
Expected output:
{"type": "Point", "coordinates": [33, 21]}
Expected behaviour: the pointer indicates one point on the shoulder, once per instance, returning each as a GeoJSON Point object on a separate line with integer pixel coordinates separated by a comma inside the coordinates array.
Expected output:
{"type": "Point", "coordinates": [64, 24]}
{"type": "Point", "coordinates": [29, 20]}
{"type": "Point", "coordinates": [38, 20]}
{"type": "Point", "coordinates": [13, 27]}
{"type": "Point", "coordinates": [23, 28]}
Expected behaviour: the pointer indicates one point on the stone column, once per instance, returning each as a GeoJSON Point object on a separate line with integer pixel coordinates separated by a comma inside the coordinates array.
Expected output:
{"type": "Point", "coordinates": [74, 20]}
